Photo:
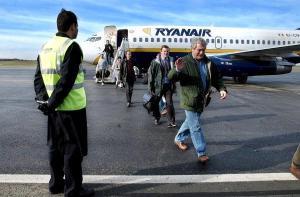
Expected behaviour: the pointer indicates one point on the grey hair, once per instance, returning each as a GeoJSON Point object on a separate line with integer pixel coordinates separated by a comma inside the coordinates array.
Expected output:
{"type": "Point", "coordinates": [198, 40]}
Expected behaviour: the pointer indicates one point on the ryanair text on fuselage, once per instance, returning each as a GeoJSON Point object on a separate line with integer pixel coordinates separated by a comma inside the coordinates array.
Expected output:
{"type": "Point", "coordinates": [182, 32]}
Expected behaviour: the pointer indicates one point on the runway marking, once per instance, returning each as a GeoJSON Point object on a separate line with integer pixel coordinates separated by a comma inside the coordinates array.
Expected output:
{"type": "Point", "coordinates": [154, 179]}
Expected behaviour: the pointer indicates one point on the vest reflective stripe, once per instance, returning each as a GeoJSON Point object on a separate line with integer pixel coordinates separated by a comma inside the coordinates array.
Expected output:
{"type": "Point", "coordinates": [75, 86]}
{"type": "Point", "coordinates": [51, 58]}
{"type": "Point", "coordinates": [55, 71]}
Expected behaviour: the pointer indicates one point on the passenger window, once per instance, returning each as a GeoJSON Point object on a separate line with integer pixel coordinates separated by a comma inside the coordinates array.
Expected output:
{"type": "Point", "coordinates": [157, 39]}
{"type": "Point", "coordinates": [231, 41]}
{"type": "Point", "coordinates": [225, 41]}
{"type": "Point", "coordinates": [212, 40]}
{"type": "Point", "coordinates": [274, 42]}
{"type": "Point", "coordinates": [279, 43]}
{"type": "Point", "coordinates": [263, 42]}
{"type": "Point", "coordinates": [248, 41]}
{"type": "Point", "coordinates": [146, 39]}
{"type": "Point", "coordinates": [236, 41]}
{"type": "Point", "coordinates": [289, 42]}
{"type": "Point", "coordinates": [207, 41]}
{"type": "Point", "coordinates": [258, 41]}
{"type": "Point", "coordinates": [134, 39]}
{"type": "Point", "coordinates": [152, 39]}
{"type": "Point", "coordinates": [175, 39]}
{"type": "Point", "coordinates": [164, 40]}
{"type": "Point", "coordinates": [169, 39]}
{"type": "Point", "coordinates": [180, 39]}
{"type": "Point", "coordinates": [186, 40]}
{"type": "Point", "coordinates": [242, 42]}
{"type": "Point", "coordinates": [140, 39]}
{"type": "Point", "coordinates": [283, 42]}
{"type": "Point", "coordinates": [269, 42]}
{"type": "Point", "coordinates": [253, 41]}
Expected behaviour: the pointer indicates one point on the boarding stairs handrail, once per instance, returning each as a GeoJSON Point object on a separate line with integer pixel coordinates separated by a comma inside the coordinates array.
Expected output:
{"type": "Point", "coordinates": [120, 53]}
{"type": "Point", "coordinates": [121, 50]}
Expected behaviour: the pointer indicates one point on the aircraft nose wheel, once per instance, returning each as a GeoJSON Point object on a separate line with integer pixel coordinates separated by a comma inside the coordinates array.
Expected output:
{"type": "Point", "coordinates": [240, 79]}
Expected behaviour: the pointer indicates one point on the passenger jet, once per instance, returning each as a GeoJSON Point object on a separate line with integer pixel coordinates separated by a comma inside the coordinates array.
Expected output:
{"type": "Point", "coordinates": [238, 52]}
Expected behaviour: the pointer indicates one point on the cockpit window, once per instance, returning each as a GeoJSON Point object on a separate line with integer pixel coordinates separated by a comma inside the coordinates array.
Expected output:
{"type": "Point", "coordinates": [94, 39]}
{"type": "Point", "coordinates": [97, 38]}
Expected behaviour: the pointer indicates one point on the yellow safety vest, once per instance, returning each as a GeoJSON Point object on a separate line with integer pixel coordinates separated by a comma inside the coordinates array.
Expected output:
{"type": "Point", "coordinates": [51, 58]}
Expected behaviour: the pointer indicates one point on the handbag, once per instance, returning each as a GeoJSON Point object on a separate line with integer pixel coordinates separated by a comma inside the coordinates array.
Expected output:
{"type": "Point", "coordinates": [149, 101]}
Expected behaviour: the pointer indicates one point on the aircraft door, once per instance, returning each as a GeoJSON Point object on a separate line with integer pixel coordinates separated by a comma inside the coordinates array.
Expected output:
{"type": "Point", "coordinates": [122, 33]}
{"type": "Point", "coordinates": [110, 33]}
{"type": "Point", "coordinates": [218, 42]}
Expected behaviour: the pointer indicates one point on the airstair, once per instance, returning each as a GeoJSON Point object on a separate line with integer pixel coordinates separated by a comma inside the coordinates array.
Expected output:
{"type": "Point", "coordinates": [119, 53]}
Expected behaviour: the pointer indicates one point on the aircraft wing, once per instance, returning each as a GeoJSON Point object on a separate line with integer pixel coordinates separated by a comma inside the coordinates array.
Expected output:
{"type": "Point", "coordinates": [271, 52]}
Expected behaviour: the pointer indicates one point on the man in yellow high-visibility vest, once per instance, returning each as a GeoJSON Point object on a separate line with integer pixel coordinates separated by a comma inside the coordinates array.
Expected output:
{"type": "Point", "coordinates": [58, 83]}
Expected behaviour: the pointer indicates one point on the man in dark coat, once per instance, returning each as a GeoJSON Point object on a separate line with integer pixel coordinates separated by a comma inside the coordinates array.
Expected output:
{"type": "Point", "coordinates": [127, 75]}
{"type": "Point", "coordinates": [160, 85]}
{"type": "Point", "coordinates": [109, 52]}
{"type": "Point", "coordinates": [58, 84]}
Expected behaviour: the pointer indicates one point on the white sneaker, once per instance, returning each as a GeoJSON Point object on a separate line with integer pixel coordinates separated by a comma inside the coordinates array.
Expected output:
{"type": "Point", "coordinates": [102, 83]}
{"type": "Point", "coordinates": [96, 80]}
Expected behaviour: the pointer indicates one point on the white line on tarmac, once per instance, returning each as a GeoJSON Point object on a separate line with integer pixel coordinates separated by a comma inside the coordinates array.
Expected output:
{"type": "Point", "coordinates": [128, 179]}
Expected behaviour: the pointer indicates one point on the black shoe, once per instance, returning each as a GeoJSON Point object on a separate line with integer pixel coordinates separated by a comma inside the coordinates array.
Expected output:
{"type": "Point", "coordinates": [58, 187]}
{"type": "Point", "coordinates": [59, 190]}
{"type": "Point", "coordinates": [86, 192]}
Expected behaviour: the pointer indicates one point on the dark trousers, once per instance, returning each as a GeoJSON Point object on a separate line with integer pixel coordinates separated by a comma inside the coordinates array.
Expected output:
{"type": "Point", "coordinates": [168, 94]}
{"type": "Point", "coordinates": [129, 90]}
{"type": "Point", "coordinates": [67, 141]}
{"type": "Point", "coordinates": [66, 163]}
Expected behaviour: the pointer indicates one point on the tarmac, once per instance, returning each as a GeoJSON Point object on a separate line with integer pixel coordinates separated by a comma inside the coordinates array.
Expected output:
{"type": "Point", "coordinates": [251, 137]}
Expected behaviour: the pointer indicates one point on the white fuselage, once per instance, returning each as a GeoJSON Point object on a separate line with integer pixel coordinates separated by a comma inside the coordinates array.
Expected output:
{"type": "Point", "coordinates": [220, 39]}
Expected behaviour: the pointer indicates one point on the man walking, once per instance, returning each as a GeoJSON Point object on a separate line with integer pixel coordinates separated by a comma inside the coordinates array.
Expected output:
{"type": "Point", "coordinates": [196, 74]}
{"type": "Point", "coordinates": [127, 76]}
{"type": "Point", "coordinates": [160, 85]}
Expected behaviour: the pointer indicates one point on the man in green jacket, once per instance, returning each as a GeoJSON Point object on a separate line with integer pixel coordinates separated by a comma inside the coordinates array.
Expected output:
{"type": "Point", "coordinates": [160, 85]}
{"type": "Point", "coordinates": [196, 74]}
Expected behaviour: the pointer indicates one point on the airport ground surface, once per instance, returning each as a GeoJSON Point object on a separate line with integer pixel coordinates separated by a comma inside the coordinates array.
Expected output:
{"type": "Point", "coordinates": [255, 131]}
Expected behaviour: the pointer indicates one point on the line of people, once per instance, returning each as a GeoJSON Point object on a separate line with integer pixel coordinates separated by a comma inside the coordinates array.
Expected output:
{"type": "Point", "coordinates": [158, 83]}
{"type": "Point", "coordinates": [196, 75]}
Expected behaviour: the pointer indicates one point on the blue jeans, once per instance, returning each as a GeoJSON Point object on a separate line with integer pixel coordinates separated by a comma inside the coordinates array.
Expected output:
{"type": "Point", "coordinates": [192, 126]}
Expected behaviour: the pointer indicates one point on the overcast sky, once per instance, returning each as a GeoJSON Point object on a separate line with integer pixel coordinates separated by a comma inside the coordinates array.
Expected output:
{"type": "Point", "coordinates": [26, 24]}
